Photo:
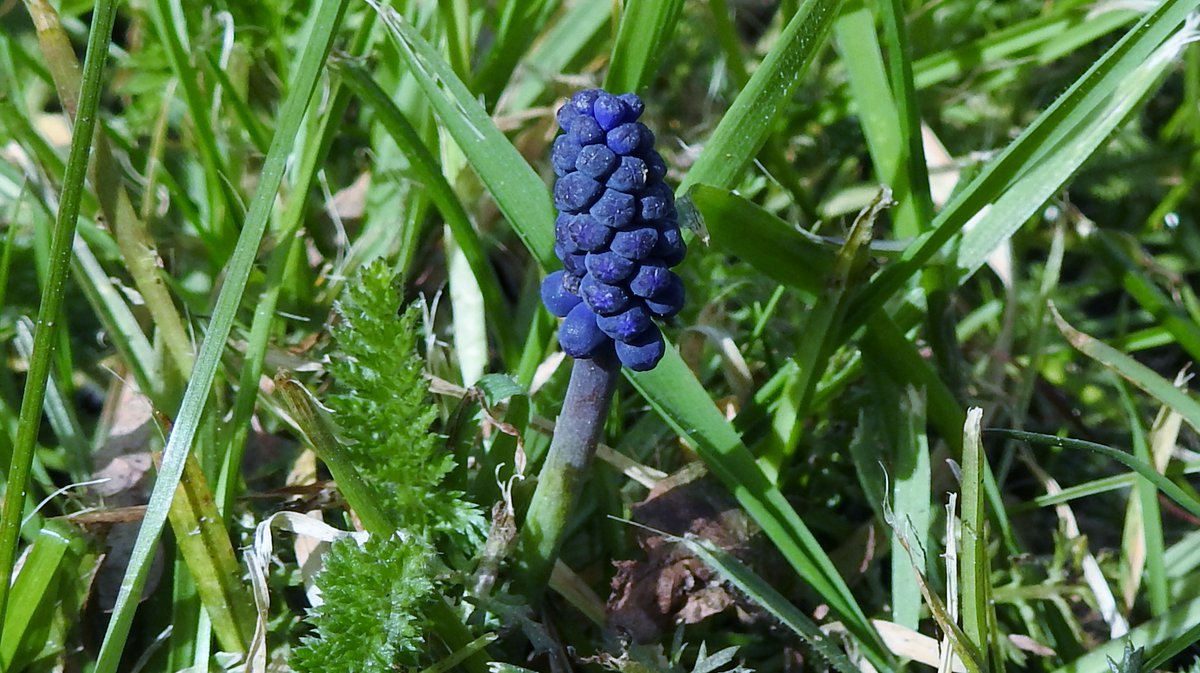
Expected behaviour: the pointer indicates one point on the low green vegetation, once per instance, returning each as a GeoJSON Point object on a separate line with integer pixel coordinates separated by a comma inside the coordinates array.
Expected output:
{"type": "Point", "coordinates": [278, 382]}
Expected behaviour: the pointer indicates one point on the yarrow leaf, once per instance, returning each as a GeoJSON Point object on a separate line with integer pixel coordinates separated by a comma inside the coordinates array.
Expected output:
{"type": "Point", "coordinates": [371, 620]}
{"type": "Point", "coordinates": [382, 408]}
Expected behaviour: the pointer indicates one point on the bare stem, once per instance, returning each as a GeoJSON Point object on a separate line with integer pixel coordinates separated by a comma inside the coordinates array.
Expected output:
{"type": "Point", "coordinates": [565, 471]}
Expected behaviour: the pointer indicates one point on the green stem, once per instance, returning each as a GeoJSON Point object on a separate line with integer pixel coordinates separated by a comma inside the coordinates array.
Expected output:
{"type": "Point", "coordinates": [46, 331]}
{"type": "Point", "coordinates": [565, 471]}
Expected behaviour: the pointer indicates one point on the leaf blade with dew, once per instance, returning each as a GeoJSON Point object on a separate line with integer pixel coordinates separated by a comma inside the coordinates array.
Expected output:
{"type": "Point", "coordinates": [1041, 160]}
{"type": "Point", "coordinates": [187, 422]}
{"type": "Point", "coordinates": [745, 126]}
{"type": "Point", "coordinates": [512, 182]}
{"type": "Point", "coordinates": [642, 40]}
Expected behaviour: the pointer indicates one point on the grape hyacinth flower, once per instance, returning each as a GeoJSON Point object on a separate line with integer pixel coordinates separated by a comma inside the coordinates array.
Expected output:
{"type": "Point", "coordinates": [616, 234]}
{"type": "Point", "coordinates": [617, 238]}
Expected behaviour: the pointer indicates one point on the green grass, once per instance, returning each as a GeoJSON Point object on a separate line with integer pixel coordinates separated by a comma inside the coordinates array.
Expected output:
{"type": "Point", "coordinates": [190, 194]}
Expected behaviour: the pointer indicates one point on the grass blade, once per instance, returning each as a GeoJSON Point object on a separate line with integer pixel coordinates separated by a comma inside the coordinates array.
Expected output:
{"type": "Point", "coordinates": [976, 565]}
{"type": "Point", "coordinates": [751, 117]}
{"type": "Point", "coordinates": [204, 545]}
{"type": "Point", "coordinates": [46, 333]}
{"type": "Point", "coordinates": [1135, 372]}
{"type": "Point", "coordinates": [643, 38]}
{"type": "Point", "coordinates": [426, 171]}
{"type": "Point", "coordinates": [517, 189]}
{"type": "Point", "coordinates": [187, 421]}
{"type": "Point", "coordinates": [35, 588]}
{"type": "Point", "coordinates": [1166, 486]}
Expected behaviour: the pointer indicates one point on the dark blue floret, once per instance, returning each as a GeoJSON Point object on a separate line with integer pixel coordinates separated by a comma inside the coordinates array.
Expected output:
{"type": "Point", "coordinates": [587, 234]}
{"type": "Point", "coordinates": [565, 115]}
{"type": "Point", "coordinates": [564, 154]}
{"type": "Point", "coordinates": [575, 192]}
{"type": "Point", "coordinates": [656, 168]}
{"type": "Point", "coordinates": [626, 325]}
{"type": "Point", "coordinates": [579, 335]}
{"type": "Point", "coordinates": [596, 161]}
{"type": "Point", "coordinates": [556, 297]}
{"type": "Point", "coordinates": [572, 261]}
{"type": "Point", "coordinates": [636, 107]}
{"type": "Point", "coordinates": [603, 298]}
{"type": "Point", "coordinates": [642, 353]}
{"type": "Point", "coordinates": [636, 243]}
{"type": "Point", "coordinates": [656, 202]}
{"type": "Point", "coordinates": [627, 138]}
{"type": "Point", "coordinates": [584, 100]}
{"type": "Point", "coordinates": [609, 267]}
{"type": "Point", "coordinates": [616, 233]}
{"type": "Point", "coordinates": [629, 176]}
{"type": "Point", "coordinates": [586, 130]}
{"type": "Point", "coordinates": [651, 279]}
{"type": "Point", "coordinates": [614, 209]}
{"type": "Point", "coordinates": [610, 111]}
{"type": "Point", "coordinates": [670, 247]}
{"type": "Point", "coordinates": [669, 301]}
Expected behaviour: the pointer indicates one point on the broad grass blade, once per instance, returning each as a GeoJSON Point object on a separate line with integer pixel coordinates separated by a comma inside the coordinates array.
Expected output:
{"type": "Point", "coordinates": [750, 119]}
{"type": "Point", "coordinates": [517, 189]}
{"type": "Point", "coordinates": [642, 39]}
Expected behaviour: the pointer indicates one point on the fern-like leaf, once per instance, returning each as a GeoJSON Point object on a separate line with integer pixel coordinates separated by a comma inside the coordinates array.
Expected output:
{"type": "Point", "coordinates": [371, 620]}
{"type": "Point", "coordinates": [381, 405]}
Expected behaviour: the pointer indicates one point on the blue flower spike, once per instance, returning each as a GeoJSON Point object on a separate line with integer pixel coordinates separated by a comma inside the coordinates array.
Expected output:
{"type": "Point", "coordinates": [616, 233]}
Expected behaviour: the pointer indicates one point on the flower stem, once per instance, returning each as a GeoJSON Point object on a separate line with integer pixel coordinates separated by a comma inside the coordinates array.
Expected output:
{"type": "Point", "coordinates": [565, 471]}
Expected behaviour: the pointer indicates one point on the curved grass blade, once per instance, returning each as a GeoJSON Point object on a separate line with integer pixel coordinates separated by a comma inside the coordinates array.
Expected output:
{"type": "Point", "coordinates": [1168, 487]}
{"type": "Point", "coordinates": [37, 586]}
{"type": "Point", "coordinates": [766, 596]}
{"type": "Point", "coordinates": [642, 39]}
{"type": "Point", "coordinates": [682, 401]}
{"type": "Point", "coordinates": [745, 127]}
{"type": "Point", "coordinates": [1135, 372]}
{"type": "Point", "coordinates": [47, 333]}
{"type": "Point", "coordinates": [187, 421]}
{"type": "Point", "coordinates": [517, 189]}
